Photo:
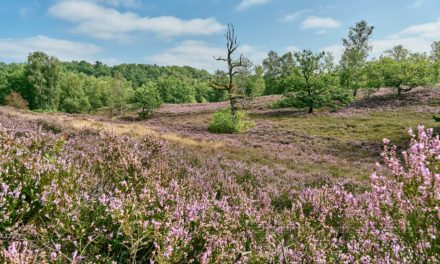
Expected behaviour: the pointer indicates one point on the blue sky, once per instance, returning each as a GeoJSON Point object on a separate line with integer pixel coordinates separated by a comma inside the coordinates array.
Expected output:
{"type": "Point", "coordinates": [190, 32]}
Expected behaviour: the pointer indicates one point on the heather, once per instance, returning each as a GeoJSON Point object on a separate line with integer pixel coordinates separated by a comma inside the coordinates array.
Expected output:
{"type": "Point", "coordinates": [94, 196]}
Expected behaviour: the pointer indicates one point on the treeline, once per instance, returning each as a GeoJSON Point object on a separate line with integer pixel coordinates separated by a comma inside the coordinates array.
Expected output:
{"type": "Point", "coordinates": [45, 83]}
{"type": "Point", "coordinates": [314, 80]}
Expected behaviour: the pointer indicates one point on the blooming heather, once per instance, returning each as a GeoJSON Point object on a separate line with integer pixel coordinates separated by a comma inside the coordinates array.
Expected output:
{"type": "Point", "coordinates": [92, 197]}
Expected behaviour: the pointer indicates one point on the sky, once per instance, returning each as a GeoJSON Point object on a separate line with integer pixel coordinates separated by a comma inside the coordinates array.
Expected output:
{"type": "Point", "coordinates": [191, 32]}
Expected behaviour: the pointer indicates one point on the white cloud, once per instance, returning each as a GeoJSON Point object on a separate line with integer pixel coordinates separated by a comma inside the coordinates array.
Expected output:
{"type": "Point", "coordinates": [245, 4]}
{"type": "Point", "coordinates": [321, 23]}
{"type": "Point", "coordinates": [292, 17]}
{"type": "Point", "coordinates": [199, 54]}
{"type": "Point", "coordinates": [336, 50]}
{"type": "Point", "coordinates": [428, 30]}
{"type": "Point", "coordinates": [19, 49]}
{"type": "Point", "coordinates": [108, 23]}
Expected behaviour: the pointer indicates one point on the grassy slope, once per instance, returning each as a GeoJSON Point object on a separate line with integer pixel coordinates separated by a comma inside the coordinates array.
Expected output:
{"type": "Point", "coordinates": [320, 148]}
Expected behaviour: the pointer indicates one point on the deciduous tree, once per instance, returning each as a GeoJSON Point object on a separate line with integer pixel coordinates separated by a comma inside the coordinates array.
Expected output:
{"type": "Point", "coordinates": [356, 51]}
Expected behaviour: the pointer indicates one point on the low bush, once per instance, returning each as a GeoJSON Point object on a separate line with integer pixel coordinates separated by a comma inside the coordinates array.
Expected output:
{"type": "Point", "coordinates": [16, 100]}
{"type": "Point", "coordinates": [224, 122]}
{"type": "Point", "coordinates": [90, 197]}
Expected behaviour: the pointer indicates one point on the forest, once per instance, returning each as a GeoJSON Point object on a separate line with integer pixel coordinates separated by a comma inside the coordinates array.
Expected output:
{"type": "Point", "coordinates": [297, 159]}
{"type": "Point", "coordinates": [306, 79]}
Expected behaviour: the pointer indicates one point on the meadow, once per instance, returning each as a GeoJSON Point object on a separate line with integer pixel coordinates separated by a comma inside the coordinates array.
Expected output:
{"type": "Point", "coordinates": [332, 187]}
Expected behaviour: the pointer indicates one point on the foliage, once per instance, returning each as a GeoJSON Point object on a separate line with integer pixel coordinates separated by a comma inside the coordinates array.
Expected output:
{"type": "Point", "coordinates": [176, 91]}
{"type": "Point", "coordinates": [276, 69]}
{"type": "Point", "coordinates": [16, 100]}
{"type": "Point", "coordinates": [435, 51]}
{"type": "Point", "coordinates": [73, 97]}
{"type": "Point", "coordinates": [356, 50]}
{"type": "Point", "coordinates": [398, 53]}
{"type": "Point", "coordinates": [313, 85]}
{"type": "Point", "coordinates": [43, 74]}
{"type": "Point", "coordinates": [403, 74]}
{"type": "Point", "coordinates": [119, 92]}
{"type": "Point", "coordinates": [255, 85]}
{"type": "Point", "coordinates": [225, 122]}
{"type": "Point", "coordinates": [147, 97]}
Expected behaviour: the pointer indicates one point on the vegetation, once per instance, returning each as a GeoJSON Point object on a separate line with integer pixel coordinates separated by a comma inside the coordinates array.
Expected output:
{"type": "Point", "coordinates": [400, 70]}
{"type": "Point", "coordinates": [97, 197]}
{"type": "Point", "coordinates": [224, 121]}
{"type": "Point", "coordinates": [147, 98]}
{"type": "Point", "coordinates": [15, 100]}
{"type": "Point", "coordinates": [80, 87]}
{"type": "Point", "coordinates": [297, 188]}
{"type": "Point", "coordinates": [314, 85]}
{"type": "Point", "coordinates": [234, 68]}
{"type": "Point", "coordinates": [356, 51]}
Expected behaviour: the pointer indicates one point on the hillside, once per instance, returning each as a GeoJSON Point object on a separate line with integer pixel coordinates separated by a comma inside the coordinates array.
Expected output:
{"type": "Point", "coordinates": [324, 147]}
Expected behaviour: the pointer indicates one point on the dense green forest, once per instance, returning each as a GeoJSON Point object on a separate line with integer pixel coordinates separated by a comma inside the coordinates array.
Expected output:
{"type": "Point", "coordinates": [45, 83]}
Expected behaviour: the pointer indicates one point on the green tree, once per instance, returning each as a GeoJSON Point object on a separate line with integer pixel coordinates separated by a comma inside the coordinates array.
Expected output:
{"type": "Point", "coordinates": [276, 69]}
{"type": "Point", "coordinates": [147, 97]}
{"type": "Point", "coordinates": [313, 85]}
{"type": "Point", "coordinates": [119, 91]}
{"type": "Point", "coordinates": [398, 53]}
{"type": "Point", "coordinates": [435, 56]}
{"type": "Point", "coordinates": [44, 75]}
{"type": "Point", "coordinates": [176, 91]}
{"type": "Point", "coordinates": [256, 85]}
{"type": "Point", "coordinates": [435, 50]}
{"type": "Point", "coordinates": [356, 51]}
{"type": "Point", "coordinates": [73, 97]}
{"type": "Point", "coordinates": [403, 74]}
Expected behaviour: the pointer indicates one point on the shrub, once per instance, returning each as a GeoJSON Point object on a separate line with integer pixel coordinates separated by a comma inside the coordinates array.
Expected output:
{"type": "Point", "coordinates": [147, 97]}
{"type": "Point", "coordinates": [225, 122]}
{"type": "Point", "coordinates": [90, 197]}
{"type": "Point", "coordinates": [16, 100]}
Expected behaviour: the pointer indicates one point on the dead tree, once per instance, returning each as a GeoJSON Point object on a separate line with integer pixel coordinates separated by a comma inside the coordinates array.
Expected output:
{"type": "Point", "coordinates": [233, 69]}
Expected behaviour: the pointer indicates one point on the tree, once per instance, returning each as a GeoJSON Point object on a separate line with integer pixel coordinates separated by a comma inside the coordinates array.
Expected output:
{"type": "Point", "coordinates": [275, 69]}
{"type": "Point", "coordinates": [312, 85]}
{"type": "Point", "coordinates": [435, 56]}
{"type": "Point", "coordinates": [435, 50]}
{"type": "Point", "coordinates": [147, 97]}
{"type": "Point", "coordinates": [234, 66]}
{"type": "Point", "coordinates": [176, 91]}
{"type": "Point", "coordinates": [119, 91]}
{"type": "Point", "coordinates": [44, 75]}
{"type": "Point", "coordinates": [73, 97]}
{"type": "Point", "coordinates": [256, 85]}
{"type": "Point", "coordinates": [403, 75]}
{"type": "Point", "coordinates": [356, 51]}
{"type": "Point", "coordinates": [398, 53]}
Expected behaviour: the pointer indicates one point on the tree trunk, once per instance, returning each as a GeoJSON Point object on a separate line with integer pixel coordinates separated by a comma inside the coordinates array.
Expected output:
{"type": "Point", "coordinates": [355, 93]}
{"type": "Point", "coordinates": [233, 102]}
{"type": "Point", "coordinates": [311, 109]}
{"type": "Point", "coordinates": [399, 91]}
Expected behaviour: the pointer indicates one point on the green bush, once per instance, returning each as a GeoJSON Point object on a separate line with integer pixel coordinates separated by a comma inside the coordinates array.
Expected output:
{"type": "Point", "coordinates": [225, 122]}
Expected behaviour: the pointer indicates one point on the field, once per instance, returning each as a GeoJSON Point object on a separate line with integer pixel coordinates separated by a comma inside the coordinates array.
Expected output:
{"type": "Point", "coordinates": [332, 146]}
{"type": "Point", "coordinates": [272, 194]}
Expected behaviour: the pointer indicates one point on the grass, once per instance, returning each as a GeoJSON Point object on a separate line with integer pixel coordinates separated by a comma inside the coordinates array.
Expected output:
{"type": "Point", "coordinates": [372, 127]}
{"type": "Point", "coordinates": [288, 142]}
